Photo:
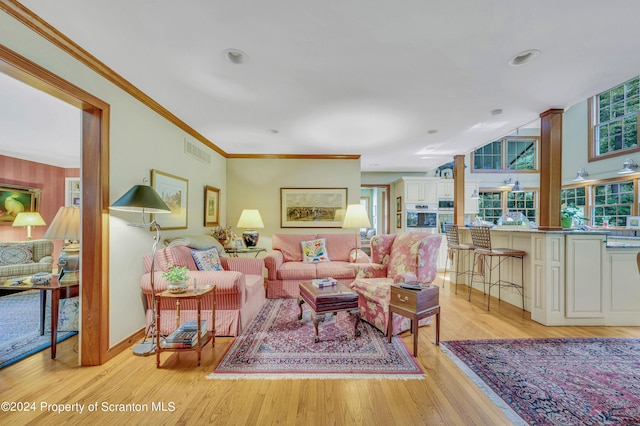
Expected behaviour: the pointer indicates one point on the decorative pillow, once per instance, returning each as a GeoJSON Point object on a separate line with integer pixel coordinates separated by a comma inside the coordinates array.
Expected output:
{"type": "Point", "coordinates": [207, 260]}
{"type": "Point", "coordinates": [15, 254]}
{"type": "Point", "coordinates": [314, 251]}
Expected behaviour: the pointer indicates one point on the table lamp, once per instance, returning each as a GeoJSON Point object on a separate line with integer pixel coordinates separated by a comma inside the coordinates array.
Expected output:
{"type": "Point", "coordinates": [66, 226]}
{"type": "Point", "coordinates": [145, 199]}
{"type": "Point", "coordinates": [250, 219]}
{"type": "Point", "coordinates": [28, 219]}
{"type": "Point", "coordinates": [356, 217]}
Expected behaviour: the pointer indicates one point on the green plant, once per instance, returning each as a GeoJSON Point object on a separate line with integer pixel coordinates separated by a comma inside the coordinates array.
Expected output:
{"type": "Point", "coordinates": [573, 212]}
{"type": "Point", "coordinates": [176, 274]}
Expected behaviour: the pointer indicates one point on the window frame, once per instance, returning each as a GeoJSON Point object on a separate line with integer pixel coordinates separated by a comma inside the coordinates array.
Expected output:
{"type": "Point", "coordinates": [593, 121]}
{"type": "Point", "coordinates": [504, 201]}
{"type": "Point", "coordinates": [504, 149]}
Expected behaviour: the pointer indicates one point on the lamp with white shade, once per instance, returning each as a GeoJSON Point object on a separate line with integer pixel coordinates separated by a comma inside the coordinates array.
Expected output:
{"type": "Point", "coordinates": [251, 220]}
{"type": "Point", "coordinates": [145, 199]}
{"type": "Point", "coordinates": [356, 217]}
{"type": "Point", "coordinates": [66, 226]}
{"type": "Point", "coordinates": [28, 219]}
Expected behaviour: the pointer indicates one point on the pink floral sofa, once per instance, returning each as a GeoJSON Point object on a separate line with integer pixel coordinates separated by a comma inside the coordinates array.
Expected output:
{"type": "Point", "coordinates": [239, 286]}
{"type": "Point", "coordinates": [394, 258]}
{"type": "Point", "coordinates": [286, 267]}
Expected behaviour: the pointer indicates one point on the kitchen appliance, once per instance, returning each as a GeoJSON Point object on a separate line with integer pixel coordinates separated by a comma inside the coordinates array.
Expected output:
{"type": "Point", "coordinates": [421, 217]}
{"type": "Point", "coordinates": [445, 204]}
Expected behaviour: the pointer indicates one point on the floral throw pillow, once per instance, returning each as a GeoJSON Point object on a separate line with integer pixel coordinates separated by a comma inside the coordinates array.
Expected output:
{"type": "Point", "coordinates": [314, 251]}
{"type": "Point", "coordinates": [207, 260]}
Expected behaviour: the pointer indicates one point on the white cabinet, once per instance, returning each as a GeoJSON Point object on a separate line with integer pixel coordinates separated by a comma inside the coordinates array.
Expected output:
{"type": "Point", "coordinates": [445, 189]}
{"type": "Point", "coordinates": [71, 191]}
{"type": "Point", "coordinates": [418, 190]}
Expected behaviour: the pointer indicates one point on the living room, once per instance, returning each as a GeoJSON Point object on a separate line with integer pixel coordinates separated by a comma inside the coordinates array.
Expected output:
{"type": "Point", "coordinates": [140, 140]}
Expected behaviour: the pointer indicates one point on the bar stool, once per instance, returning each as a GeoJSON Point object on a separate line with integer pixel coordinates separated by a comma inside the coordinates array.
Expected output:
{"type": "Point", "coordinates": [453, 248]}
{"type": "Point", "coordinates": [481, 237]}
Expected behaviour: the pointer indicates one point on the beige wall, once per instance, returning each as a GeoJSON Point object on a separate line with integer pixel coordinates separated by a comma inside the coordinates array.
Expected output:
{"type": "Point", "coordinates": [256, 183]}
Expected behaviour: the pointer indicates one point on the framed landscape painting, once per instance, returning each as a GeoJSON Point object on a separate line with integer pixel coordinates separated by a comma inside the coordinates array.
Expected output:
{"type": "Point", "coordinates": [312, 207]}
{"type": "Point", "coordinates": [173, 190]}
{"type": "Point", "coordinates": [16, 199]}
{"type": "Point", "coordinates": [211, 206]}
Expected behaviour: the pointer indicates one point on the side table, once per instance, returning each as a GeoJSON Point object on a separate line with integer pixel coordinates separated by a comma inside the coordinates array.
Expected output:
{"type": "Point", "coordinates": [233, 252]}
{"type": "Point", "coordinates": [58, 292]}
{"type": "Point", "coordinates": [198, 295]}
{"type": "Point", "coordinates": [414, 304]}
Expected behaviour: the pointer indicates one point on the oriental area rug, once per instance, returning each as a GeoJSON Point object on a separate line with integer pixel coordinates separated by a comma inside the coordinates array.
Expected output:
{"type": "Point", "coordinates": [276, 345]}
{"type": "Point", "coordinates": [570, 381]}
{"type": "Point", "coordinates": [20, 327]}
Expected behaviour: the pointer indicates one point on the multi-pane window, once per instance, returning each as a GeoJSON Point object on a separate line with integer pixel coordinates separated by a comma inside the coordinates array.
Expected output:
{"type": "Point", "coordinates": [490, 206]}
{"type": "Point", "coordinates": [574, 196]}
{"type": "Point", "coordinates": [522, 202]}
{"type": "Point", "coordinates": [509, 153]}
{"type": "Point", "coordinates": [613, 201]}
{"type": "Point", "coordinates": [616, 118]}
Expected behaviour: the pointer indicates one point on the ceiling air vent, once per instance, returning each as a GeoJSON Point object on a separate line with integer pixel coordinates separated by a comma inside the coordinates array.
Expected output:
{"type": "Point", "coordinates": [196, 152]}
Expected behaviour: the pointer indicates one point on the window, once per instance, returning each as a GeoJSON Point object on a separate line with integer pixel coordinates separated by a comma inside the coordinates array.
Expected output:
{"type": "Point", "coordinates": [507, 154]}
{"type": "Point", "coordinates": [614, 119]}
{"type": "Point", "coordinates": [574, 196]}
{"type": "Point", "coordinates": [614, 201]}
{"type": "Point", "coordinates": [522, 202]}
{"type": "Point", "coordinates": [490, 206]}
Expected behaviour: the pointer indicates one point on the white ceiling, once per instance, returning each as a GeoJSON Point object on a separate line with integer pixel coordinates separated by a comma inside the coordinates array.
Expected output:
{"type": "Point", "coordinates": [369, 77]}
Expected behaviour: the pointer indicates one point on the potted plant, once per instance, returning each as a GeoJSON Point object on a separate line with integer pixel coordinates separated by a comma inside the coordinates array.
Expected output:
{"type": "Point", "coordinates": [571, 214]}
{"type": "Point", "coordinates": [177, 278]}
{"type": "Point", "coordinates": [222, 234]}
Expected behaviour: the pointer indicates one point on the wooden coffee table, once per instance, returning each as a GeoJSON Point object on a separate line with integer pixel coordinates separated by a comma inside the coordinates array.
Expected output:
{"type": "Point", "coordinates": [328, 300]}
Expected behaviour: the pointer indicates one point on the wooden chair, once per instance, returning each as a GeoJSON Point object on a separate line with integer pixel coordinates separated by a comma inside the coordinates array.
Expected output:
{"type": "Point", "coordinates": [454, 247]}
{"type": "Point", "coordinates": [481, 237]}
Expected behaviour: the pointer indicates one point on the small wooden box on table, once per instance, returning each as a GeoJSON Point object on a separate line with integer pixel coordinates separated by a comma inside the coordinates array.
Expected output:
{"type": "Point", "coordinates": [198, 295]}
{"type": "Point", "coordinates": [414, 304]}
{"type": "Point", "coordinates": [330, 299]}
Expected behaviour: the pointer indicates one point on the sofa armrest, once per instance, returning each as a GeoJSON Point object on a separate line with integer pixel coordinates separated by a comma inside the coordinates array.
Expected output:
{"type": "Point", "coordinates": [47, 260]}
{"type": "Point", "coordinates": [428, 259]}
{"type": "Point", "coordinates": [359, 256]}
{"type": "Point", "coordinates": [246, 265]}
{"type": "Point", "coordinates": [272, 261]}
{"type": "Point", "coordinates": [369, 270]}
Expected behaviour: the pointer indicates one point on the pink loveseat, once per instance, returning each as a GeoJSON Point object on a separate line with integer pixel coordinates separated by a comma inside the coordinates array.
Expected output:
{"type": "Point", "coordinates": [285, 268]}
{"type": "Point", "coordinates": [394, 258]}
{"type": "Point", "coordinates": [239, 290]}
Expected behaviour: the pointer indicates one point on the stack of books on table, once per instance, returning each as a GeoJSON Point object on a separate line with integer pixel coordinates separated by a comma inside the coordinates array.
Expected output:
{"type": "Point", "coordinates": [186, 336]}
{"type": "Point", "coordinates": [324, 282]}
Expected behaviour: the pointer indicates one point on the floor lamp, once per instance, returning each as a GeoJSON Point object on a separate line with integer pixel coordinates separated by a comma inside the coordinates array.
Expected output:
{"type": "Point", "coordinates": [144, 199]}
{"type": "Point", "coordinates": [356, 217]}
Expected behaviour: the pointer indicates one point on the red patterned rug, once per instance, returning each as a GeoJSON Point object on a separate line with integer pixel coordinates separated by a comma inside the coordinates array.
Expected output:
{"type": "Point", "coordinates": [276, 345]}
{"type": "Point", "coordinates": [572, 381]}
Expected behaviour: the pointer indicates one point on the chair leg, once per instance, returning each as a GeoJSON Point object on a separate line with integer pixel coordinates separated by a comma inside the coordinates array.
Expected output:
{"type": "Point", "coordinates": [444, 277]}
{"type": "Point", "coordinates": [490, 280]}
{"type": "Point", "coordinates": [475, 260]}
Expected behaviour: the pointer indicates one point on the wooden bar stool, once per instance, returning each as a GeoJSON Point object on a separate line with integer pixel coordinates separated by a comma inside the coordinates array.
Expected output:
{"type": "Point", "coordinates": [481, 237]}
{"type": "Point", "coordinates": [454, 247]}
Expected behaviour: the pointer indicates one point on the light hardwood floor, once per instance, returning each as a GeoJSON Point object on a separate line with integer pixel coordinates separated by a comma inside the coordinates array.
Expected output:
{"type": "Point", "coordinates": [446, 396]}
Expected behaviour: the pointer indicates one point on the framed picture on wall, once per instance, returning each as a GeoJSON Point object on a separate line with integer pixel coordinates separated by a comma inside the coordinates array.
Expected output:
{"type": "Point", "coordinates": [399, 221]}
{"type": "Point", "coordinates": [174, 192]}
{"type": "Point", "coordinates": [312, 207]}
{"type": "Point", "coordinates": [16, 199]}
{"type": "Point", "coordinates": [398, 204]}
{"type": "Point", "coordinates": [211, 206]}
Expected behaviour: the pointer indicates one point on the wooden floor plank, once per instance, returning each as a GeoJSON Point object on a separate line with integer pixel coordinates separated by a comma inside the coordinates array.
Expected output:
{"type": "Point", "coordinates": [179, 387]}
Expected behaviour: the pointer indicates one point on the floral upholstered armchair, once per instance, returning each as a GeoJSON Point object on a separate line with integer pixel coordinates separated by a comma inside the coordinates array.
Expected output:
{"type": "Point", "coordinates": [410, 256]}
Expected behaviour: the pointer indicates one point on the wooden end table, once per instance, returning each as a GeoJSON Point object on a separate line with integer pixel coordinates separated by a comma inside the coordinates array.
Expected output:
{"type": "Point", "coordinates": [198, 294]}
{"type": "Point", "coordinates": [58, 291]}
{"type": "Point", "coordinates": [414, 304]}
{"type": "Point", "coordinates": [324, 300]}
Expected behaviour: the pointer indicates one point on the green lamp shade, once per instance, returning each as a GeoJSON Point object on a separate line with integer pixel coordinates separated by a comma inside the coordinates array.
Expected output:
{"type": "Point", "coordinates": [141, 198]}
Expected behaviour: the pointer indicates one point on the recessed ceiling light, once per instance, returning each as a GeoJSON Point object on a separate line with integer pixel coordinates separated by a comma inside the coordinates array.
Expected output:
{"type": "Point", "coordinates": [524, 57]}
{"type": "Point", "coordinates": [496, 111]}
{"type": "Point", "coordinates": [432, 131]}
{"type": "Point", "coordinates": [272, 131]}
{"type": "Point", "coordinates": [235, 56]}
